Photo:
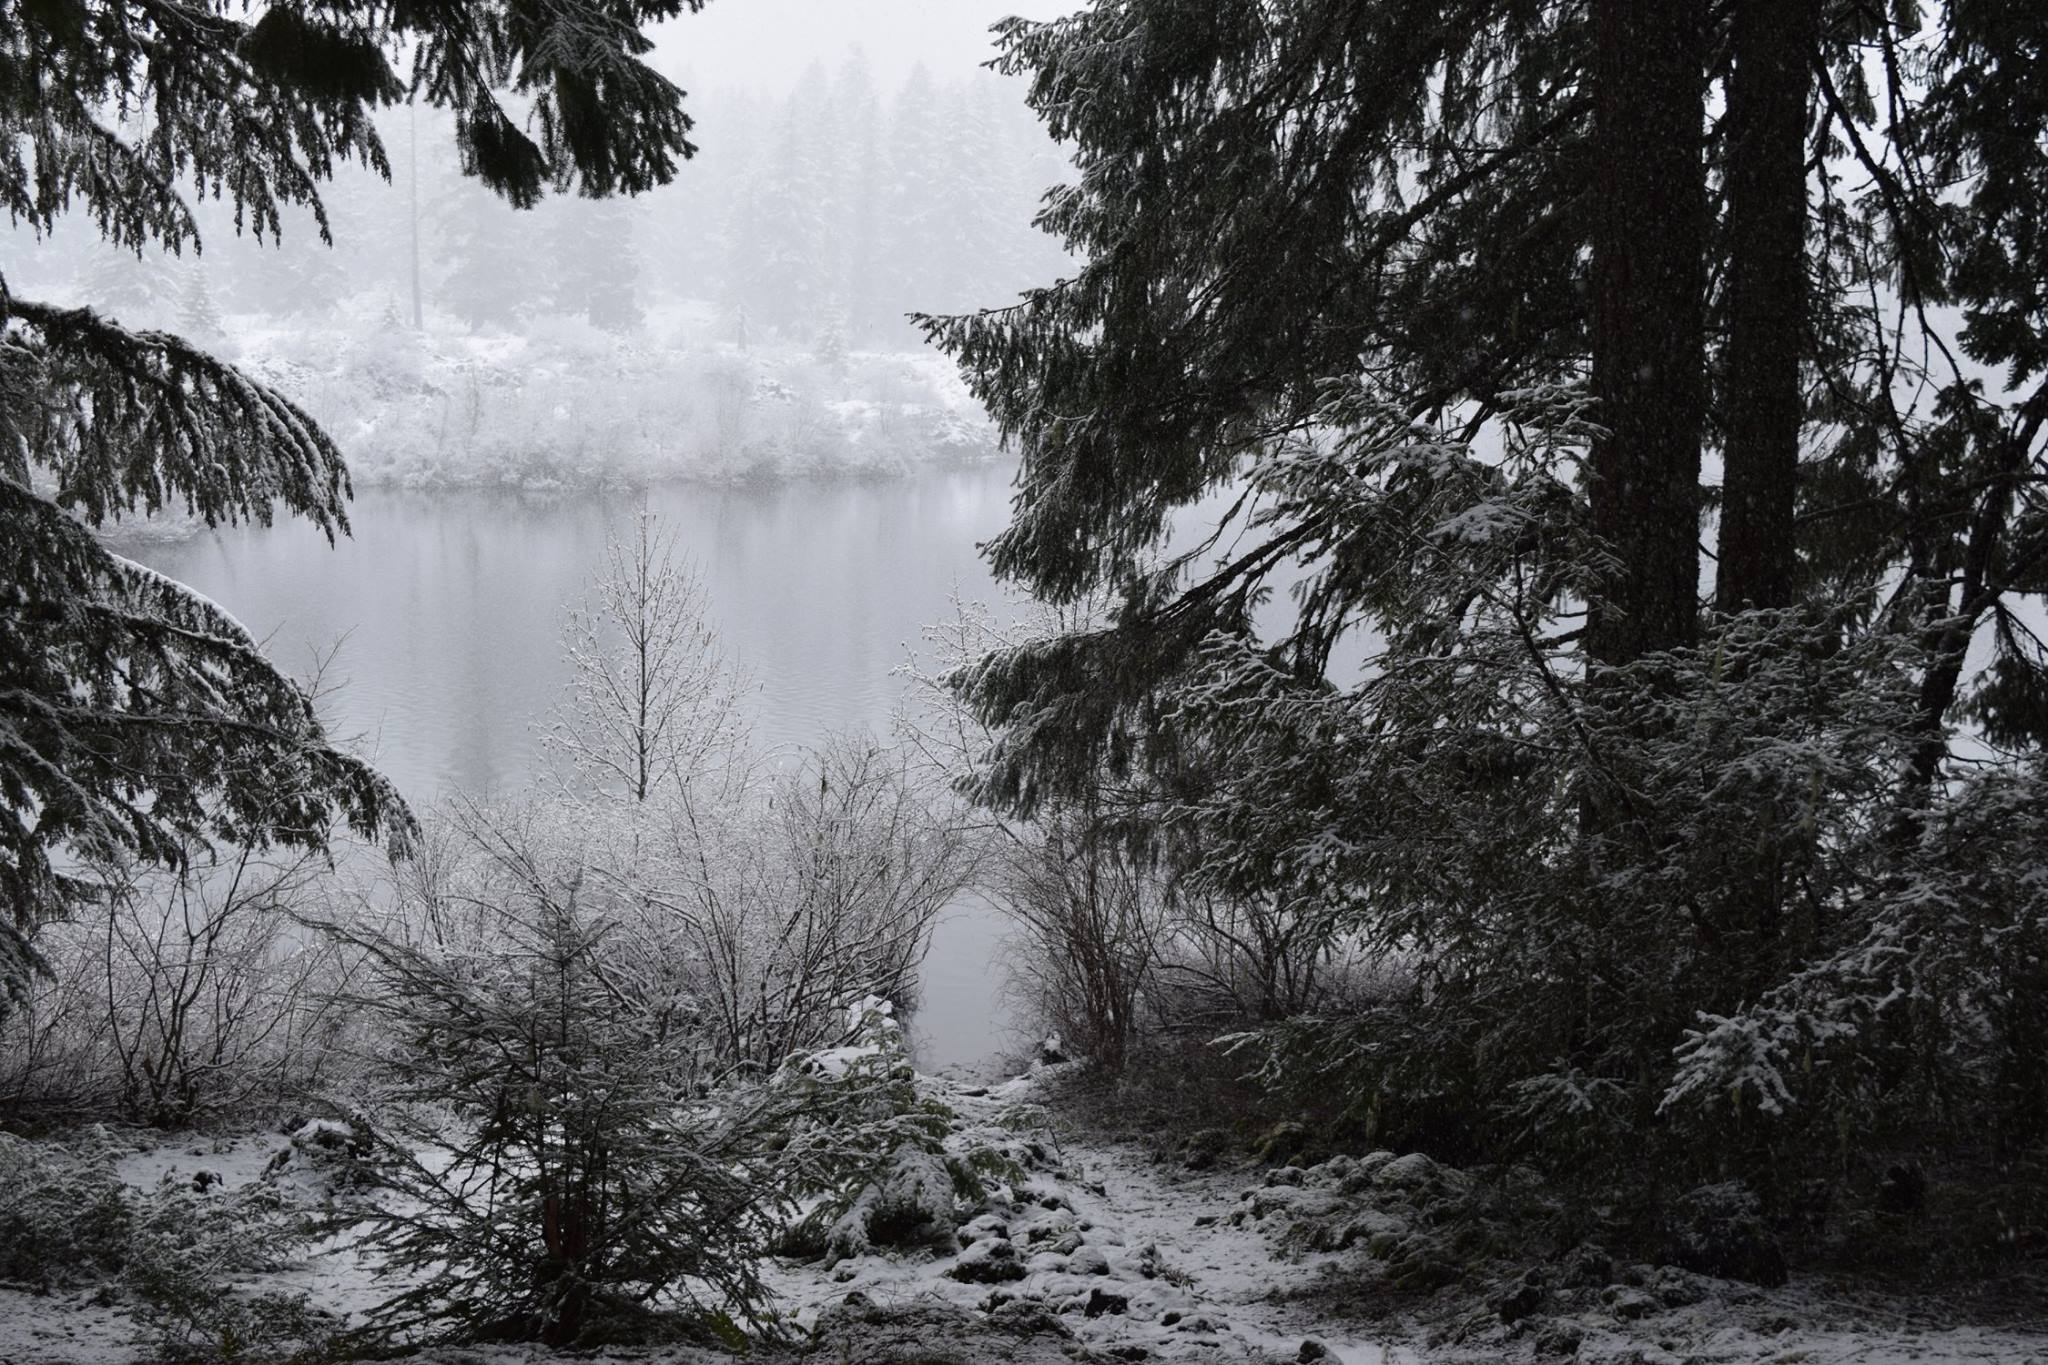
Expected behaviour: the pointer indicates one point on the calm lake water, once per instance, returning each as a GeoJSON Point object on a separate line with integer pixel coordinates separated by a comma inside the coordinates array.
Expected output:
{"type": "Point", "coordinates": [448, 609]}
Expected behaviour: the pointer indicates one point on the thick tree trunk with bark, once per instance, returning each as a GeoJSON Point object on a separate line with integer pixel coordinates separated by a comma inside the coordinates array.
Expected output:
{"type": "Point", "coordinates": [1767, 101]}
{"type": "Point", "coordinates": [1649, 243]}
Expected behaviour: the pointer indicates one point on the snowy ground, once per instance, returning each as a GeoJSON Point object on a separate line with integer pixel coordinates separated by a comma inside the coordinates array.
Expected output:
{"type": "Point", "coordinates": [1224, 1265]}
{"type": "Point", "coordinates": [1105, 1253]}
{"type": "Point", "coordinates": [1134, 1255]}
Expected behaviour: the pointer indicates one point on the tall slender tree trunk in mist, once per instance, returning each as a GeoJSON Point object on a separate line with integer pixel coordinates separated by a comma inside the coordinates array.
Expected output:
{"type": "Point", "coordinates": [1648, 328]}
{"type": "Point", "coordinates": [1767, 99]}
{"type": "Point", "coordinates": [412, 136]}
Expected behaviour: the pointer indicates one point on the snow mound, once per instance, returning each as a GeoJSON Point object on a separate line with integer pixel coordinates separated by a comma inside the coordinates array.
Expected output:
{"type": "Point", "coordinates": [910, 1204]}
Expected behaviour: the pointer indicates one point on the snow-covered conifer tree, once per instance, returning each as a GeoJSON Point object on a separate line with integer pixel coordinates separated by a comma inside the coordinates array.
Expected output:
{"type": "Point", "coordinates": [550, 1175]}
{"type": "Point", "coordinates": [483, 257]}
{"type": "Point", "coordinates": [198, 315]}
{"type": "Point", "coordinates": [781, 267]}
{"type": "Point", "coordinates": [134, 290]}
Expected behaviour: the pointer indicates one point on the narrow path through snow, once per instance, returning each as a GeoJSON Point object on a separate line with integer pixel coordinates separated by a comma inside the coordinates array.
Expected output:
{"type": "Point", "coordinates": [1132, 1254]}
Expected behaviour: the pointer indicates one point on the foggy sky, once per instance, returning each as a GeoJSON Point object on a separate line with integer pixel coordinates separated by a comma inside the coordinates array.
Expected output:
{"type": "Point", "coordinates": [768, 44]}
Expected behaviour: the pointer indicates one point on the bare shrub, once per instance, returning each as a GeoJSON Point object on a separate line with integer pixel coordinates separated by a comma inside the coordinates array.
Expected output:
{"type": "Point", "coordinates": [216, 1000]}
{"type": "Point", "coordinates": [1113, 947]}
{"type": "Point", "coordinates": [1229, 961]}
{"type": "Point", "coordinates": [192, 995]}
{"type": "Point", "coordinates": [761, 906]}
{"type": "Point", "coordinates": [814, 898]}
{"type": "Point", "coordinates": [56, 1062]}
{"type": "Point", "coordinates": [1091, 919]}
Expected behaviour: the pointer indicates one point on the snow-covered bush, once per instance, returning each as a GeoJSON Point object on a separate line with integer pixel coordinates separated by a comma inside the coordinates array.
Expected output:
{"type": "Point", "coordinates": [548, 1172]}
{"type": "Point", "coordinates": [763, 904]}
{"type": "Point", "coordinates": [837, 872]}
{"type": "Point", "coordinates": [172, 1254]}
{"type": "Point", "coordinates": [862, 1159]}
{"type": "Point", "coordinates": [190, 996]}
{"type": "Point", "coordinates": [1594, 867]}
{"type": "Point", "coordinates": [1926, 997]}
{"type": "Point", "coordinates": [65, 1217]}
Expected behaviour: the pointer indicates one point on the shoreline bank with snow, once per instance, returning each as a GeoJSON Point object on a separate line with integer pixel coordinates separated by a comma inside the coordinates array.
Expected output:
{"type": "Point", "coordinates": [565, 405]}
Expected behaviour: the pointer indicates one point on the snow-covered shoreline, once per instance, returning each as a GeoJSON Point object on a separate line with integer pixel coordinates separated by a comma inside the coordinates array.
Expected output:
{"type": "Point", "coordinates": [564, 405]}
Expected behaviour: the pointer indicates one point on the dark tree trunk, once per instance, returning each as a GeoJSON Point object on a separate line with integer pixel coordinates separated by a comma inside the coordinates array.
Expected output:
{"type": "Point", "coordinates": [1955, 617]}
{"type": "Point", "coordinates": [1766, 180]}
{"type": "Point", "coordinates": [1649, 247]}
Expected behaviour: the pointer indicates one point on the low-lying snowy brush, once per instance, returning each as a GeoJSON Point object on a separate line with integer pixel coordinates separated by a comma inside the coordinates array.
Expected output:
{"type": "Point", "coordinates": [563, 404]}
{"type": "Point", "coordinates": [173, 1253]}
{"type": "Point", "coordinates": [863, 1158]}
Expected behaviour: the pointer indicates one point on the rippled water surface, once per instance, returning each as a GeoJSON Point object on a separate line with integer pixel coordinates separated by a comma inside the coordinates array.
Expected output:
{"type": "Point", "coordinates": [448, 608]}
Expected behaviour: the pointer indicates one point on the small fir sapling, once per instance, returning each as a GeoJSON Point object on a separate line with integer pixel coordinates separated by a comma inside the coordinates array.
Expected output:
{"type": "Point", "coordinates": [549, 1175]}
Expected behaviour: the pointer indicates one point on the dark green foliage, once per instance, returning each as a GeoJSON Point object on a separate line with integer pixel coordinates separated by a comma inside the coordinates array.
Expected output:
{"type": "Point", "coordinates": [261, 111]}
{"type": "Point", "coordinates": [291, 48]}
{"type": "Point", "coordinates": [138, 718]}
{"type": "Point", "coordinates": [1925, 465]}
{"type": "Point", "coordinates": [1343, 287]}
{"type": "Point", "coordinates": [124, 422]}
{"type": "Point", "coordinates": [1719, 1230]}
{"type": "Point", "coordinates": [1252, 236]}
{"type": "Point", "coordinates": [196, 1319]}
{"type": "Point", "coordinates": [1246, 240]}
{"type": "Point", "coordinates": [1564, 876]}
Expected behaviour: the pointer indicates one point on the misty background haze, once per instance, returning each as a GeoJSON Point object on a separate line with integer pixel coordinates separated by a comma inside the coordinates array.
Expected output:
{"type": "Point", "coordinates": [768, 44]}
{"type": "Point", "coordinates": [744, 325]}
{"type": "Point", "coordinates": [857, 163]}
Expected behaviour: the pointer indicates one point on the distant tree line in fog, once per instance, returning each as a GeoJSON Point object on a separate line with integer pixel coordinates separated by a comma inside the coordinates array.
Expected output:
{"type": "Point", "coordinates": [819, 218]}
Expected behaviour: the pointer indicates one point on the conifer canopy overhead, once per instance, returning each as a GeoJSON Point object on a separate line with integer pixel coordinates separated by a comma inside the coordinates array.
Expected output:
{"type": "Point", "coordinates": [1442, 307]}
{"type": "Point", "coordinates": [137, 720]}
{"type": "Point", "coordinates": [1279, 204]}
